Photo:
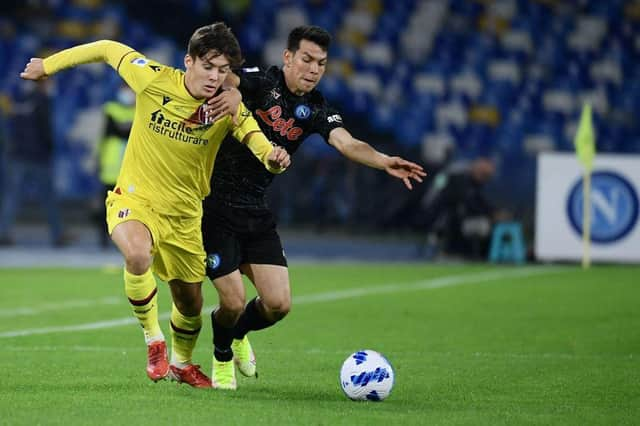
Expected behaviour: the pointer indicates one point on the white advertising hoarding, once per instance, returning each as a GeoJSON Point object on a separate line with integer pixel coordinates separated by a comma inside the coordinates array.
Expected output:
{"type": "Point", "coordinates": [615, 189]}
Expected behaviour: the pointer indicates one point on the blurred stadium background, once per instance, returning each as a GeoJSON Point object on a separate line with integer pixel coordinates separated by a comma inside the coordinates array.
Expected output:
{"type": "Point", "coordinates": [440, 82]}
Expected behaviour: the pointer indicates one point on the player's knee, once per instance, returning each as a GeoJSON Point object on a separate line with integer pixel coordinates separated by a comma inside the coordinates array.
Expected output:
{"type": "Point", "coordinates": [189, 307]}
{"type": "Point", "coordinates": [137, 261]}
{"type": "Point", "coordinates": [277, 308]}
{"type": "Point", "coordinates": [233, 306]}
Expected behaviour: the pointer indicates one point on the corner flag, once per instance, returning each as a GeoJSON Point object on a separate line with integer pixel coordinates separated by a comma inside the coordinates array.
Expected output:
{"type": "Point", "coordinates": [585, 138]}
{"type": "Point", "coordinates": [585, 142]}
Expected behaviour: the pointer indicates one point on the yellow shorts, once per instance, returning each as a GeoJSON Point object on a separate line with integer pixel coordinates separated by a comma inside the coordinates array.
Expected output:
{"type": "Point", "coordinates": [177, 250]}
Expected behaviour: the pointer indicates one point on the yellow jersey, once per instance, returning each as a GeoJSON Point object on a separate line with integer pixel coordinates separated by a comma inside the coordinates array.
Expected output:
{"type": "Point", "coordinates": [171, 149]}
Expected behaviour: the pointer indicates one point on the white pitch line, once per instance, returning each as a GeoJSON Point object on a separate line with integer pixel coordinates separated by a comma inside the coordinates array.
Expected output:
{"type": "Point", "coordinates": [447, 281]}
{"type": "Point", "coordinates": [433, 283]}
{"type": "Point", "coordinates": [71, 348]}
{"type": "Point", "coordinates": [323, 353]}
{"type": "Point", "coordinates": [70, 304]}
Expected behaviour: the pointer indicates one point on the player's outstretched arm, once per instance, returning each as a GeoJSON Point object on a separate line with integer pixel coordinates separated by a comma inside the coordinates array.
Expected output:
{"type": "Point", "coordinates": [275, 158]}
{"type": "Point", "coordinates": [279, 158]}
{"type": "Point", "coordinates": [34, 70]}
{"type": "Point", "coordinates": [363, 153]}
{"type": "Point", "coordinates": [107, 51]}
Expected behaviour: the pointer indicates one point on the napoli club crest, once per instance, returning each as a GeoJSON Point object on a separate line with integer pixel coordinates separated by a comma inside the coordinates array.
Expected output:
{"type": "Point", "coordinates": [213, 261]}
{"type": "Point", "coordinates": [614, 207]}
{"type": "Point", "coordinates": [302, 112]}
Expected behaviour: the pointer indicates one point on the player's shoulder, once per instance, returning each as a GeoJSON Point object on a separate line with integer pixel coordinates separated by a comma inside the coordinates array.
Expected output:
{"type": "Point", "coordinates": [274, 72]}
{"type": "Point", "coordinates": [257, 73]}
{"type": "Point", "coordinates": [168, 77]}
{"type": "Point", "coordinates": [137, 59]}
{"type": "Point", "coordinates": [145, 68]}
{"type": "Point", "coordinates": [315, 97]}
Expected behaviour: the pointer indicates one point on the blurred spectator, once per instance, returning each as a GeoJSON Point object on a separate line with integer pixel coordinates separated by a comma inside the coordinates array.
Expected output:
{"type": "Point", "coordinates": [455, 211]}
{"type": "Point", "coordinates": [118, 119]}
{"type": "Point", "coordinates": [29, 161]}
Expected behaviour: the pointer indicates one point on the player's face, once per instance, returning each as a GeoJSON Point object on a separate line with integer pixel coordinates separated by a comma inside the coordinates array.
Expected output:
{"type": "Point", "coordinates": [205, 75]}
{"type": "Point", "coordinates": [304, 68]}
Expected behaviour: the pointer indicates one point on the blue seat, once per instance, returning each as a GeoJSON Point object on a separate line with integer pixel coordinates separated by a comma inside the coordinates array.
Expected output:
{"type": "Point", "coordinates": [507, 243]}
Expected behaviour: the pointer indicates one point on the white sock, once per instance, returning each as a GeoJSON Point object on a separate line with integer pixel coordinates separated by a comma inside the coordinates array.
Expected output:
{"type": "Point", "coordinates": [176, 363]}
{"type": "Point", "coordinates": [151, 339]}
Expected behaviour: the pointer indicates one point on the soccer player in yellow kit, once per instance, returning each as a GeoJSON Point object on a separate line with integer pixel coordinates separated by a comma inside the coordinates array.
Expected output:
{"type": "Point", "coordinates": [154, 212]}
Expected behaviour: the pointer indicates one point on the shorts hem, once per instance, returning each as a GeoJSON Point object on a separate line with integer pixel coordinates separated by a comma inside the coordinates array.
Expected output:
{"type": "Point", "coordinates": [167, 280]}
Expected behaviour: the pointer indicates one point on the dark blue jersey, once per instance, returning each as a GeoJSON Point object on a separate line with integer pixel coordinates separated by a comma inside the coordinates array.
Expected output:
{"type": "Point", "coordinates": [239, 179]}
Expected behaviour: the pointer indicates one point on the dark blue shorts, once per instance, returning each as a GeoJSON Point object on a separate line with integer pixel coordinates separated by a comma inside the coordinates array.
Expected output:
{"type": "Point", "coordinates": [235, 236]}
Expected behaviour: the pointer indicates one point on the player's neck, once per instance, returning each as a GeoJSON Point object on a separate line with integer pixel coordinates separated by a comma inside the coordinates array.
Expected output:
{"type": "Point", "coordinates": [293, 91]}
{"type": "Point", "coordinates": [187, 87]}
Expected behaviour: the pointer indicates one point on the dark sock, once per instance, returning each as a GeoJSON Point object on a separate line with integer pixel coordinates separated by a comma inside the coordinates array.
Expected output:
{"type": "Point", "coordinates": [250, 320]}
{"type": "Point", "coordinates": [222, 338]}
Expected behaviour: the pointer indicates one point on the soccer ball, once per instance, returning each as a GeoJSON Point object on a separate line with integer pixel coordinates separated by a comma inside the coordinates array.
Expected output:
{"type": "Point", "coordinates": [366, 375]}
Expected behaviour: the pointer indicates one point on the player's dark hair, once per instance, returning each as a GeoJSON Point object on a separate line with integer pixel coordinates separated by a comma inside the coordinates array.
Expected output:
{"type": "Point", "coordinates": [218, 39]}
{"type": "Point", "coordinates": [313, 33]}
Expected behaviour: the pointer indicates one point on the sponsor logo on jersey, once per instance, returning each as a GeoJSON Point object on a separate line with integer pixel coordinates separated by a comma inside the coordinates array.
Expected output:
{"type": "Point", "coordinates": [141, 62]}
{"type": "Point", "coordinates": [302, 112]}
{"type": "Point", "coordinates": [335, 118]}
{"type": "Point", "coordinates": [124, 213]}
{"type": "Point", "coordinates": [614, 207]}
{"type": "Point", "coordinates": [177, 130]}
{"type": "Point", "coordinates": [272, 118]}
{"type": "Point", "coordinates": [275, 94]}
{"type": "Point", "coordinates": [165, 100]}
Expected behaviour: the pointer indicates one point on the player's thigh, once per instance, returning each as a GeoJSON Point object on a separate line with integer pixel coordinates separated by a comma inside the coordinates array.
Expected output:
{"type": "Point", "coordinates": [131, 224]}
{"type": "Point", "coordinates": [231, 291]}
{"type": "Point", "coordinates": [222, 248]}
{"type": "Point", "coordinates": [132, 229]}
{"type": "Point", "coordinates": [272, 284]}
{"type": "Point", "coordinates": [132, 236]}
{"type": "Point", "coordinates": [179, 254]}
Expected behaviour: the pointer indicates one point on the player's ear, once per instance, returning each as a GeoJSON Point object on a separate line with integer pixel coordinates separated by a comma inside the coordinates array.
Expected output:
{"type": "Point", "coordinates": [286, 57]}
{"type": "Point", "coordinates": [188, 61]}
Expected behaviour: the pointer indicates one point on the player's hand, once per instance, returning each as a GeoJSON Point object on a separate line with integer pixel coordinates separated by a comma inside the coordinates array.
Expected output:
{"type": "Point", "coordinates": [226, 102]}
{"type": "Point", "coordinates": [34, 70]}
{"type": "Point", "coordinates": [405, 170]}
{"type": "Point", "coordinates": [279, 158]}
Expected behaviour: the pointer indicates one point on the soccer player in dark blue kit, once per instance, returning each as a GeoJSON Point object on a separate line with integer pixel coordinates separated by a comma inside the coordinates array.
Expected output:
{"type": "Point", "coordinates": [238, 228]}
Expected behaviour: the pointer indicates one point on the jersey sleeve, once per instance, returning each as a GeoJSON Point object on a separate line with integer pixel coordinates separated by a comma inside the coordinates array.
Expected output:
{"type": "Point", "coordinates": [132, 66]}
{"type": "Point", "coordinates": [251, 80]}
{"type": "Point", "coordinates": [138, 71]}
{"type": "Point", "coordinates": [257, 143]}
{"type": "Point", "coordinates": [246, 123]}
{"type": "Point", "coordinates": [328, 119]}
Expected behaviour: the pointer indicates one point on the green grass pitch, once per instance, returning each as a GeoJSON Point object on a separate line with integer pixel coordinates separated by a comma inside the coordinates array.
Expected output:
{"type": "Point", "coordinates": [470, 344]}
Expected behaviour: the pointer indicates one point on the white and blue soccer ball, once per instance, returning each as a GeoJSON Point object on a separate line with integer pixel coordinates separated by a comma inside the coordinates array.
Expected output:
{"type": "Point", "coordinates": [366, 375]}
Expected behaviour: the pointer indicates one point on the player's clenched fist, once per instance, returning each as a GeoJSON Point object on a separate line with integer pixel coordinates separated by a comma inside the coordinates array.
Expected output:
{"type": "Point", "coordinates": [279, 158]}
{"type": "Point", "coordinates": [34, 70]}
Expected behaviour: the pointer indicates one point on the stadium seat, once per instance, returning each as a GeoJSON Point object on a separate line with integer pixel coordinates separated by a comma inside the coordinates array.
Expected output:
{"type": "Point", "coordinates": [441, 63]}
{"type": "Point", "coordinates": [431, 84]}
